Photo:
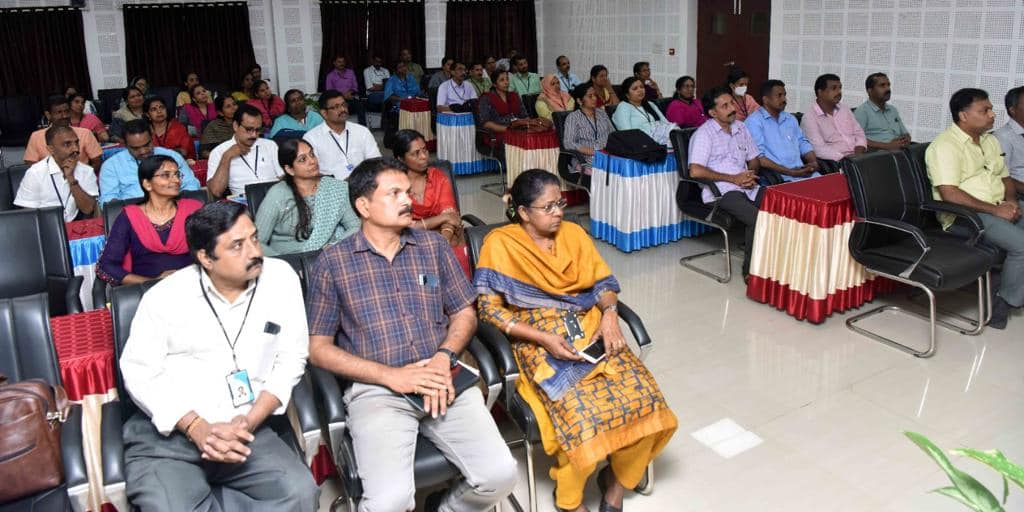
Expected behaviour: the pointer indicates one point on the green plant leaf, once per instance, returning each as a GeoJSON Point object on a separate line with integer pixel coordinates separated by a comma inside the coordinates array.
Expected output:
{"type": "Point", "coordinates": [971, 490]}
{"type": "Point", "coordinates": [952, 492]}
{"type": "Point", "coordinates": [997, 461]}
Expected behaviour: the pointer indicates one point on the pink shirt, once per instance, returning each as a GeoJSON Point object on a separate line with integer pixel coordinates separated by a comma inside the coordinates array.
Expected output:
{"type": "Point", "coordinates": [196, 117]}
{"type": "Point", "coordinates": [92, 123]}
{"type": "Point", "coordinates": [725, 153]}
{"type": "Point", "coordinates": [835, 135]}
{"type": "Point", "coordinates": [686, 114]}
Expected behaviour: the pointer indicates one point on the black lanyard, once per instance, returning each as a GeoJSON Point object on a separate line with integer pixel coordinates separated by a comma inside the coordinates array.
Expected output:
{"type": "Point", "coordinates": [458, 92]}
{"type": "Point", "coordinates": [256, 163]}
{"type": "Point", "coordinates": [592, 124]}
{"type": "Point", "coordinates": [56, 190]}
{"type": "Point", "coordinates": [638, 109]}
{"type": "Point", "coordinates": [567, 83]}
{"type": "Point", "coordinates": [344, 152]}
{"type": "Point", "coordinates": [231, 344]}
{"type": "Point", "coordinates": [526, 88]}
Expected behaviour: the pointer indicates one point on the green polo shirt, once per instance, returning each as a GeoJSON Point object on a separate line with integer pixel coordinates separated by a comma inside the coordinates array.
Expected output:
{"type": "Point", "coordinates": [978, 169]}
{"type": "Point", "coordinates": [879, 125]}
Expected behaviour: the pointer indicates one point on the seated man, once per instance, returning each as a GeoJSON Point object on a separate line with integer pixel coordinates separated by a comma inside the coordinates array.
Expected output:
{"type": "Point", "coordinates": [521, 80]}
{"type": "Point", "coordinates": [119, 175]}
{"type": "Point", "coordinates": [881, 122]}
{"type": "Point", "coordinates": [296, 118]}
{"type": "Point", "coordinates": [829, 125]}
{"type": "Point", "coordinates": [481, 84]}
{"type": "Point", "coordinates": [243, 159]}
{"type": "Point", "coordinates": [199, 328]}
{"type": "Point", "coordinates": [455, 91]}
{"type": "Point", "coordinates": [567, 80]}
{"type": "Point", "coordinates": [782, 145]}
{"type": "Point", "coordinates": [375, 76]}
{"type": "Point", "coordinates": [338, 144]}
{"type": "Point", "coordinates": [414, 69]}
{"type": "Point", "coordinates": [442, 75]}
{"type": "Point", "coordinates": [60, 179]}
{"type": "Point", "coordinates": [343, 80]}
{"type": "Point", "coordinates": [401, 85]}
{"type": "Point", "coordinates": [390, 310]}
{"type": "Point", "coordinates": [1011, 136]}
{"type": "Point", "coordinates": [723, 151]}
{"type": "Point", "coordinates": [58, 113]}
{"type": "Point", "coordinates": [966, 167]}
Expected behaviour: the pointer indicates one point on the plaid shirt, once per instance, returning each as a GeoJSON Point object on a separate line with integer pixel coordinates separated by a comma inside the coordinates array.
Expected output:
{"type": "Point", "coordinates": [392, 313]}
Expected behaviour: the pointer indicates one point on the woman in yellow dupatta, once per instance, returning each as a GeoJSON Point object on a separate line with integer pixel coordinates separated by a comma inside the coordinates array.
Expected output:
{"type": "Point", "coordinates": [535, 275]}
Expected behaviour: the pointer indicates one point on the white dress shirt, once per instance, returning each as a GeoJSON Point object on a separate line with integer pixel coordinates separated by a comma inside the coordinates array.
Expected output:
{"type": "Point", "coordinates": [340, 153]}
{"type": "Point", "coordinates": [450, 94]}
{"type": "Point", "coordinates": [176, 359]}
{"type": "Point", "coordinates": [44, 186]}
{"type": "Point", "coordinates": [373, 76]}
{"type": "Point", "coordinates": [258, 166]}
{"type": "Point", "coordinates": [1011, 138]}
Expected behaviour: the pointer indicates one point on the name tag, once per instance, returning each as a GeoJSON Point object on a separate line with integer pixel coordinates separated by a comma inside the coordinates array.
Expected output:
{"type": "Point", "coordinates": [239, 388]}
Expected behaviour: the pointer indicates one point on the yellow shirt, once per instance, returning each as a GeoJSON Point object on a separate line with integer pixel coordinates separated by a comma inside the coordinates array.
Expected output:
{"type": "Point", "coordinates": [544, 110]}
{"type": "Point", "coordinates": [978, 169]}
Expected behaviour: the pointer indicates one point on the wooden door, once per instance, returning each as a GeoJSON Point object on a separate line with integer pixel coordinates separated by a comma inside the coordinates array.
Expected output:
{"type": "Point", "coordinates": [732, 32]}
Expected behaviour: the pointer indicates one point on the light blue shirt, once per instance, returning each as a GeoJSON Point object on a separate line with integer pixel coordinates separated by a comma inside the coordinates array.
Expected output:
{"type": "Point", "coordinates": [287, 122]}
{"type": "Point", "coordinates": [403, 89]}
{"type": "Point", "coordinates": [628, 116]}
{"type": "Point", "coordinates": [119, 175]}
{"type": "Point", "coordinates": [780, 140]}
{"type": "Point", "coordinates": [568, 83]}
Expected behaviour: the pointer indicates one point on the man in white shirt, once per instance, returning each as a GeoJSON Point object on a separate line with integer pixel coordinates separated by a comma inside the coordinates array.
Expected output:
{"type": "Point", "coordinates": [214, 352]}
{"type": "Point", "coordinates": [340, 145]}
{"type": "Point", "coordinates": [245, 158]}
{"type": "Point", "coordinates": [60, 179]}
{"type": "Point", "coordinates": [1011, 136]}
{"type": "Point", "coordinates": [455, 91]}
{"type": "Point", "coordinates": [374, 78]}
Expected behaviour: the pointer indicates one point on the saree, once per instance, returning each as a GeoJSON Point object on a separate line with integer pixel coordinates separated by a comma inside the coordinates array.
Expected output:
{"type": "Point", "coordinates": [617, 406]}
{"type": "Point", "coordinates": [439, 197]}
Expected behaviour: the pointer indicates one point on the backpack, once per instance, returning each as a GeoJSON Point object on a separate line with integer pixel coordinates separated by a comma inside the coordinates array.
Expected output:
{"type": "Point", "coordinates": [635, 145]}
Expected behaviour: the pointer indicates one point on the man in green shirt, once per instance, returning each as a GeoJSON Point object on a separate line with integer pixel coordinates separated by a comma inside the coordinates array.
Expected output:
{"type": "Point", "coordinates": [520, 79]}
{"type": "Point", "coordinates": [481, 84]}
{"type": "Point", "coordinates": [881, 122]}
{"type": "Point", "coordinates": [966, 167]}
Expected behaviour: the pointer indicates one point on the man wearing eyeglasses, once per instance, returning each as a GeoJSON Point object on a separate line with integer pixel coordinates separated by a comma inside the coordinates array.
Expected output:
{"type": "Point", "coordinates": [245, 158]}
{"type": "Point", "coordinates": [119, 176]}
{"type": "Point", "coordinates": [340, 145]}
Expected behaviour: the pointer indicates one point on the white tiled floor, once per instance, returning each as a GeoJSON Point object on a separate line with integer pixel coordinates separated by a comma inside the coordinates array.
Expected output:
{"type": "Point", "coordinates": [830, 405]}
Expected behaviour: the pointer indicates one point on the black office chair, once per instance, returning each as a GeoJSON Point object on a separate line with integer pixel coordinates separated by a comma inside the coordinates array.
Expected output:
{"type": "Point", "coordinates": [662, 104]}
{"type": "Point", "coordinates": [530, 104]}
{"type": "Point", "coordinates": [488, 146]}
{"type": "Point", "coordinates": [799, 116]}
{"type": "Point", "coordinates": [254, 194]}
{"type": "Point", "coordinates": [7, 194]}
{"type": "Point", "coordinates": [27, 352]}
{"type": "Point", "coordinates": [693, 207]}
{"type": "Point", "coordinates": [34, 249]}
{"type": "Point", "coordinates": [446, 167]}
{"type": "Point", "coordinates": [125, 300]}
{"type": "Point", "coordinates": [574, 179]}
{"type": "Point", "coordinates": [16, 173]}
{"type": "Point", "coordinates": [19, 117]}
{"type": "Point", "coordinates": [515, 406]}
{"type": "Point", "coordinates": [891, 239]}
{"type": "Point", "coordinates": [168, 93]}
{"type": "Point", "coordinates": [111, 101]}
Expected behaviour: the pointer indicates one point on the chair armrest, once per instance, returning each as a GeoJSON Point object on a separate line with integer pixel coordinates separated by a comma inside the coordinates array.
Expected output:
{"type": "Point", "coordinates": [771, 177]}
{"type": "Point", "coordinates": [829, 166]}
{"type": "Point", "coordinates": [112, 444]}
{"type": "Point", "coordinates": [488, 370]}
{"type": "Point", "coordinates": [910, 229]}
{"type": "Point", "coordinates": [71, 448]}
{"type": "Point", "coordinates": [573, 153]}
{"type": "Point", "coordinates": [305, 406]}
{"type": "Point", "coordinates": [473, 220]}
{"type": "Point", "coordinates": [707, 183]}
{"type": "Point", "coordinates": [961, 212]}
{"type": "Point", "coordinates": [327, 391]}
{"type": "Point", "coordinates": [72, 295]}
{"type": "Point", "coordinates": [99, 293]}
{"type": "Point", "coordinates": [637, 328]}
{"type": "Point", "coordinates": [501, 350]}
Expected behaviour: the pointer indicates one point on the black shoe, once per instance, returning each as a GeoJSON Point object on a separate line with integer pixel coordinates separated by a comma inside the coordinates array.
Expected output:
{"type": "Point", "coordinates": [602, 484]}
{"type": "Point", "coordinates": [433, 501]}
{"type": "Point", "coordinates": [1000, 313]}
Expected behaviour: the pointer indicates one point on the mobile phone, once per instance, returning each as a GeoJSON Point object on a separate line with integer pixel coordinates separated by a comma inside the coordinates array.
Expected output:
{"type": "Point", "coordinates": [594, 352]}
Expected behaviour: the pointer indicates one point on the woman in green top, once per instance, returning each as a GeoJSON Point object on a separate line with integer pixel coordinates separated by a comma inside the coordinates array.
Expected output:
{"type": "Point", "coordinates": [306, 211]}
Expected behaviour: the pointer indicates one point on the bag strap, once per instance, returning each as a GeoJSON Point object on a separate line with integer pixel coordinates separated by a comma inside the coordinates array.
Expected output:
{"type": "Point", "coordinates": [62, 405]}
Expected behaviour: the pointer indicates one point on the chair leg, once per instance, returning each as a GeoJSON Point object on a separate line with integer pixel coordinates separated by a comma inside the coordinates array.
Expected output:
{"type": "Point", "coordinates": [497, 188]}
{"type": "Point", "coordinates": [685, 261]}
{"type": "Point", "coordinates": [974, 326]}
{"type": "Point", "coordinates": [646, 485]}
{"type": "Point", "coordinates": [531, 479]}
{"type": "Point", "coordinates": [852, 321]}
{"type": "Point", "coordinates": [350, 504]}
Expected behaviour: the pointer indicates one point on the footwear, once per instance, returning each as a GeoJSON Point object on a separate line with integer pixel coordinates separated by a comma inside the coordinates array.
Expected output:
{"type": "Point", "coordinates": [602, 484]}
{"type": "Point", "coordinates": [433, 501]}
{"type": "Point", "coordinates": [1000, 313]}
{"type": "Point", "coordinates": [554, 500]}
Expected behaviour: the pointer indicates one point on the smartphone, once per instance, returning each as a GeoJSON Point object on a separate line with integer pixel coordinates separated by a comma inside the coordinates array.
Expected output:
{"type": "Point", "coordinates": [594, 352]}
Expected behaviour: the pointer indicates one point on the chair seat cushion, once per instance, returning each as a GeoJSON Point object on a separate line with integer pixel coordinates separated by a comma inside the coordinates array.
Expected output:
{"type": "Point", "coordinates": [950, 264]}
{"type": "Point", "coordinates": [697, 209]}
{"type": "Point", "coordinates": [431, 468]}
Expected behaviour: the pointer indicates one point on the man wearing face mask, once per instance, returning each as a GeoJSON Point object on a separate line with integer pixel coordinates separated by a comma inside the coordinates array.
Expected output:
{"type": "Point", "coordinates": [245, 158]}
{"type": "Point", "coordinates": [59, 179]}
{"type": "Point", "coordinates": [881, 121]}
{"type": "Point", "coordinates": [829, 125]}
{"type": "Point", "coordinates": [119, 176]}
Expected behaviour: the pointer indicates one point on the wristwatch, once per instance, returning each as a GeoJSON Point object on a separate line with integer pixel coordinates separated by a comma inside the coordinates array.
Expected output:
{"type": "Point", "coordinates": [451, 355]}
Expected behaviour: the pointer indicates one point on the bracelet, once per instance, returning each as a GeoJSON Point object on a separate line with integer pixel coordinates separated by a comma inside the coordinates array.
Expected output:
{"type": "Point", "coordinates": [613, 307]}
{"type": "Point", "coordinates": [424, 224]}
{"type": "Point", "coordinates": [188, 429]}
{"type": "Point", "coordinates": [508, 328]}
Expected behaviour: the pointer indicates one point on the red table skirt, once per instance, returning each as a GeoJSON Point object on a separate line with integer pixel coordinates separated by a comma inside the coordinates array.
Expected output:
{"type": "Point", "coordinates": [85, 349]}
{"type": "Point", "coordinates": [802, 307]}
{"type": "Point", "coordinates": [200, 169]}
{"type": "Point", "coordinates": [85, 228]}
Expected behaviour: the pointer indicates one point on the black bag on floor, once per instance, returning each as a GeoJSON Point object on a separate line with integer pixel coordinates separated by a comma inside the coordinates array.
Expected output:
{"type": "Point", "coordinates": [635, 145]}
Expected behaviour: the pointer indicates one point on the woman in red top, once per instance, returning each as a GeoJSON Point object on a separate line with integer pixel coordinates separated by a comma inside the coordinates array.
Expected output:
{"type": "Point", "coordinates": [167, 132]}
{"type": "Point", "coordinates": [82, 119]}
{"type": "Point", "coordinates": [433, 198]}
{"type": "Point", "coordinates": [269, 104]}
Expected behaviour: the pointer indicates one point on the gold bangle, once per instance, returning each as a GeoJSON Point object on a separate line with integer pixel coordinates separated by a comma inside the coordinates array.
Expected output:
{"type": "Point", "coordinates": [508, 328]}
{"type": "Point", "coordinates": [188, 429]}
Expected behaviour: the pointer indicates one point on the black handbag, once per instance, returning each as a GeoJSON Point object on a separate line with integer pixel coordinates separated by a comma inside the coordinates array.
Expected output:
{"type": "Point", "coordinates": [635, 145]}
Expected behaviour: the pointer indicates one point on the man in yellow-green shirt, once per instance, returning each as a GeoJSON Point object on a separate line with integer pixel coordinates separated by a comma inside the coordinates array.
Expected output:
{"type": "Point", "coordinates": [966, 167]}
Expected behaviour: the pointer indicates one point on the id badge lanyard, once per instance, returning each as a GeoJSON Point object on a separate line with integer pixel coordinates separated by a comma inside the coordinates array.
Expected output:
{"type": "Point", "coordinates": [238, 383]}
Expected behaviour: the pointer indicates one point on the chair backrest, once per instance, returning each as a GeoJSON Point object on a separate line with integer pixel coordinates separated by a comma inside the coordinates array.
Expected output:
{"type": "Point", "coordinates": [114, 208]}
{"type": "Point", "coordinates": [662, 103]}
{"type": "Point", "coordinates": [302, 264]}
{"type": "Point", "coordinates": [254, 194]}
{"type": "Point", "coordinates": [617, 89]}
{"type": "Point", "coordinates": [687, 191]}
{"type": "Point", "coordinates": [799, 116]}
{"type": "Point", "coordinates": [446, 167]}
{"type": "Point", "coordinates": [19, 117]}
{"type": "Point", "coordinates": [7, 194]}
{"type": "Point", "coordinates": [111, 99]}
{"type": "Point", "coordinates": [530, 103]}
{"type": "Point", "coordinates": [35, 254]}
{"type": "Point", "coordinates": [884, 184]}
{"type": "Point", "coordinates": [915, 152]}
{"type": "Point", "coordinates": [475, 240]}
{"type": "Point", "coordinates": [26, 341]}
{"type": "Point", "coordinates": [123, 303]}
{"type": "Point", "coordinates": [16, 173]}
{"type": "Point", "coordinates": [558, 118]}
{"type": "Point", "coordinates": [169, 93]}
{"type": "Point", "coordinates": [610, 110]}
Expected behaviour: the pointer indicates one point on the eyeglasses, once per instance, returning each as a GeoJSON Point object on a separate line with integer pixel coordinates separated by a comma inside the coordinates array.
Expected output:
{"type": "Point", "coordinates": [336, 107]}
{"type": "Point", "coordinates": [168, 175]}
{"type": "Point", "coordinates": [253, 129]}
{"type": "Point", "coordinates": [551, 207]}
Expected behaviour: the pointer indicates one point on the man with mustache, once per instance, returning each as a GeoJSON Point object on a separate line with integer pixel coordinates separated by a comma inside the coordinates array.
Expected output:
{"type": "Point", "coordinates": [390, 310]}
{"type": "Point", "coordinates": [723, 151]}
{"type": "Point", "coordinates": [339, 144]}
{"type": "Point", "coordinates": [60, 179]}
{"type": "Point", "coordinates": [245, 158]}
{"type": "Point", "coordinates": [880, 121]}
{"type": "Point", "coordinates": [214, 353]}
{"type": "Point", "coordinates": [782, 144]}
{"type": "Point", "coordinates": [58, 113]}
{"type": "Point", "coordinates": [119, 176]}
{"type": "Point", "coordinates": [829, 125]}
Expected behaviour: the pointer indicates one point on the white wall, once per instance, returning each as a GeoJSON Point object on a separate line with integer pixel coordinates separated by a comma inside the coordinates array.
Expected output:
{"type": "Point", "coordinates": [929, 49]}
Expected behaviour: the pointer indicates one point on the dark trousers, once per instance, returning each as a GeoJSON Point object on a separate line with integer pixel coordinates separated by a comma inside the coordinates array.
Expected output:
{"type": "Point", "coordinates": [738, 205]}
{"type": "Point", "coordinates": [358, 107]}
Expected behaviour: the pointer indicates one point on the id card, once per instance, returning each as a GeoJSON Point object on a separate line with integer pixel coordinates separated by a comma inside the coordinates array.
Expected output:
{"type": "Point", "coordinates": [573, 329]}
{"type": "Point", "coordinates": [350, 168]}
{"type": "Point", "coordinates": [239, 388]}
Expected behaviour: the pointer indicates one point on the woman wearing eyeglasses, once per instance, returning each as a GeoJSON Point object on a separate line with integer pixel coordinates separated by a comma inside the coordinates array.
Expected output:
{"type": "Point", "coordinates": [541, 280]}
{"type": "Point", "coordinates": [147, 240]}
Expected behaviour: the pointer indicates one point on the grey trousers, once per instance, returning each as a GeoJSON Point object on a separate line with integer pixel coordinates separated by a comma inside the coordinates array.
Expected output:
{"type": "Point", "coordinates": [1009, 237]}
{"type": "Point", "coordinates": [384, 428]}
{"type": "Point", "coordinates": [167, 474]}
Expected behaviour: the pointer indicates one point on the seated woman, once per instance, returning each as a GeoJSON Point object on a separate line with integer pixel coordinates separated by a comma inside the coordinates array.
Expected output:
{"type": "Point", "coordinates": [433, 198]}
{"type": "Point", "coordinates": [130, 110]}
{"type": "Point", "coordinates": [269, 104]}
{"type": "Point", "coordinates": [606, 96]}
{"type": "Point", "coordinates": [636, 113]}
{"type": "Point", "coordinates": [586, 130]}
{"type": "Point", "coordinates": [298, 119]}
{"type": "Point", "coordinates": [685, 109]}
{"type": "Point", "coordinates": [245, 91]}
{"type": "Point", "coordinates": [147, 240]}
{"type": "Point", "coordinates": [185, 96]}
{"type": "Point", "coordinates": [306, 211]}
{"type": "Point", "coordinates": [552, 98]}
{"type": "Point", "coordinates": [536, 277]}
{"type": "Point", "coordinates": [199, 110]}
{"type": "Point", "coordinates": [167, 132]}
{"type": "Point", "coordinates": [738, 81]}
{"type": "Point", "coordinates": [220, 129]}
{"type": "Point", "coordinates": [82, 119]}
{"type": "Point", "coordinates": [501, 109]}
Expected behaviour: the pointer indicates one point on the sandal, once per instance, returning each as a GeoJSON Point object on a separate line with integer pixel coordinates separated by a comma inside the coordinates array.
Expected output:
{"type": "Point", "coordinates": [602, 479]}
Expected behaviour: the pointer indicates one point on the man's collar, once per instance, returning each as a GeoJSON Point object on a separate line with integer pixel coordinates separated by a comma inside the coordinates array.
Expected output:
{"type": "Point", "coordinates": [873, 106]}
{"type": "Point", "coordinates": [820, 112]}
{"type": "Point", "coordinates": [1015, 126]}
{"type": "Point", "coordinates": [52, 168]}
{"type": "Point", "coordinates": [361, 244]}
{"type": "Point", "coordinates": [207, 284]}
{"type": "Point", "coordinates": [344, 126]}
{"type": "Point", "coordinates": [960, 134]}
